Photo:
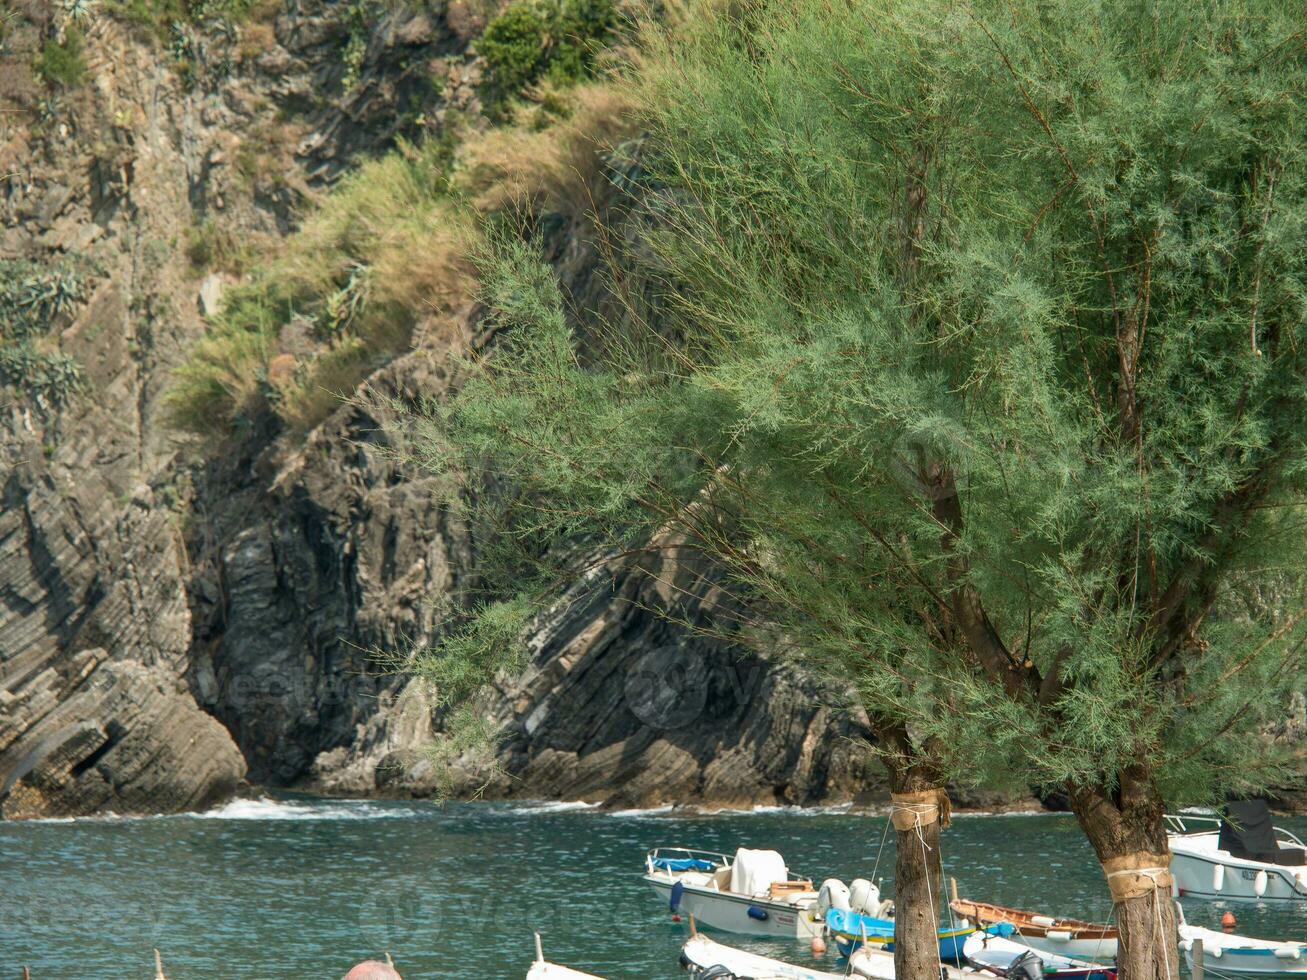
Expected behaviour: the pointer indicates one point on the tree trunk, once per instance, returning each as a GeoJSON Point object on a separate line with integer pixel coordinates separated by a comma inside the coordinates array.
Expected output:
{"type": "Point", "coordinates": [1128, 828]}
{"type": "Point", "coordinates": [917, 880]}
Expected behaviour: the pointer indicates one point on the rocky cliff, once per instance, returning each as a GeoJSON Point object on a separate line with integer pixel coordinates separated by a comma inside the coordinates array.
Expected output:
{"type": "Point", "coordinates": [176, 620]}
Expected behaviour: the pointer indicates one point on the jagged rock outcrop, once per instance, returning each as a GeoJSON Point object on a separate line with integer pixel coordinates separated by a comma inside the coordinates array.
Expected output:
{"type": "Point", "coordinates": [618, 704]}
{"type": "Point", "coordinates": [97, 651]}
{"type": "Point", "coordinates": [112, 734]}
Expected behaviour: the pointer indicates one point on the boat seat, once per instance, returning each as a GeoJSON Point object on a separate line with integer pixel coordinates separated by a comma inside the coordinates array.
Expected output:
{"type": "Point", "coordinates": [721, 880]}
{"type": "Point", "coordinates": [781, 890]}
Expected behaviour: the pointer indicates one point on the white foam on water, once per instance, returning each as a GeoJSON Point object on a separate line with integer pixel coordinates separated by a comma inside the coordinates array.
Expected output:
{"type": "Point", "coordinates": [266, 808]}
{"type": "Point", "coordinates": [638, 812]}
{"type": "Point", "coordinates": [551, 806]}
{"type": "Point", "coordinates": [788, 809]}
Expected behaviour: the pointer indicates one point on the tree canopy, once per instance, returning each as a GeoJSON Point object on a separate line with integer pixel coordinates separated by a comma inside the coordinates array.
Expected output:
{"type": "Point", "coordinates": [975, 371]}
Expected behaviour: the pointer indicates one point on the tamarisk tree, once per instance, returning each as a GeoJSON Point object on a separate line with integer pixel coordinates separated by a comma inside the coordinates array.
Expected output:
{"type": "Point", "coordinates": [974, 376]}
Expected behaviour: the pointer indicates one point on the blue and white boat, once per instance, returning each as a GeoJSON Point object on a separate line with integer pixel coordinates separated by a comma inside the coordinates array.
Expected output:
{"type": "Point", "coordinates": [1228, 955]}
{"type": "Point", "coordinates": [850, 929]}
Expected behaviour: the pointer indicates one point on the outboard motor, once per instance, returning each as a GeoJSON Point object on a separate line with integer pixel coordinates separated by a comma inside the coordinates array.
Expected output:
{"type": "Point", "coordinates": [834, 894]}
{"type": "Point", "coordinates": [864, 897]}
{"type": "Point", "coordinates": [1027, 966]}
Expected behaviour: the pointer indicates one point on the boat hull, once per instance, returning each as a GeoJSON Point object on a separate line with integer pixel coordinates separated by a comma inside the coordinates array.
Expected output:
{"type": "Point", "coordinates": [988, 950]}
{"type": "Point", "coordinates": [1225, 955]}
{"type": "Point", "coordinates": [700, 954]}
{"type": "Point", "coordinates": [1253, 963]}
{"type": "Point", "coordinates": [1195, 869]}
{"type": "Point", "coordinates": [730, 913]}
{"type": "Point", "coordinates": [1088, 950]}
{"type": "Point", "coordinates": [552, 971]}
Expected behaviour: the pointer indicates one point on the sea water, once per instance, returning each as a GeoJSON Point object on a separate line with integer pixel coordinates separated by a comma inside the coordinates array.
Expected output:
{"type": "Point", "coordinates": [297, 888]}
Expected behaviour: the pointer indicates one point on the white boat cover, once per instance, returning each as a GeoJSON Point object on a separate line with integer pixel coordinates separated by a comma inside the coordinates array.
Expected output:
{"type": "Point", "coordinates": [753, 872]}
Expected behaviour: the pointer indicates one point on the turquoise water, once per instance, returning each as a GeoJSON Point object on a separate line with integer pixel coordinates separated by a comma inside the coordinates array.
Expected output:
{"type": "Point", "coordinates": [297, 888]}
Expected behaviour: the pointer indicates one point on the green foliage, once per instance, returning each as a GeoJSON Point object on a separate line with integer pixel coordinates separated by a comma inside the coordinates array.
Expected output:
{"type": "Point", "coordinates": [514, 46]}
{"type": "Point", "coordinates": [339, 297]}
{"type": "Point", "coordinates": [977, 381]}
{"type": "Point", "coordinates": [33, 299]}
{"type": "Point", "coordinates": [535, 39]}
{"type": "Point", "coordinates": [223, 382]}
{"type": "Point", "coordinates": [158, 14]}
{"type": "Point", "coordinates": [32, 296]}
{"type": "Point", "coordinates": [50, 379]}
{"type": "Point", "coordinates": [210, 245]}
{"type": "Point", "coordinates": [62, 64]}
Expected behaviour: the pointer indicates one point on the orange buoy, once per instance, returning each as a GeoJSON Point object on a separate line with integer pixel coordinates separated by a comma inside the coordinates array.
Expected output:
{"type": "Point", "coordinates": [1228, 922]}
{"type": "Point", "coordinates": [818, 946]}
{"type": "Point", "coordinates": [675, 917]}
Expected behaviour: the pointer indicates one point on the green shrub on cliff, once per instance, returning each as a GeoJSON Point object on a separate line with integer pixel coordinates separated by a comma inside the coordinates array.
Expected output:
{"type": "Point", "coordinates": [537, 39]}
{"type": "Point", "coordinates": [62, 64]}
{"type": "Point", "coordinates": [514, 46]}
{"type": "Point", "coordinates": [47, 377]}
{"type": "Point", "coordinates": [343, 294]}
{"type": "Point", "coordinates": [34, 299]}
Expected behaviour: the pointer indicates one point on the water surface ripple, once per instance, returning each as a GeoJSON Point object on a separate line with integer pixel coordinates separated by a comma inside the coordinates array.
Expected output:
{"type": "Point", "coordinates": [304, 888]}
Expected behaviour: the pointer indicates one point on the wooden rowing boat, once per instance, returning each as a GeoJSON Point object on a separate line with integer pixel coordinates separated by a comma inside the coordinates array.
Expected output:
{"type": "Point", "coordinates": [1092, 941]}
{"type": "Point", "coordinates": [542, 969]}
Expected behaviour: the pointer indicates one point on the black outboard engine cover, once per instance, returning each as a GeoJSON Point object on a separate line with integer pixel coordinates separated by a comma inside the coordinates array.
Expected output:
{"type": "Point", "coordinates": [1027, 966]}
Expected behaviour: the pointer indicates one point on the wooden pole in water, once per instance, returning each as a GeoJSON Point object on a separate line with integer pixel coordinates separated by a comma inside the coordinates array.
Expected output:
{"type": "Point", "coordinates": [952, 889]}
{"type": "Point", "coordinates": [26, 975]}
{"type": "Point", "coordinates": [1196, 970]}
{"type": "Point", "coordinates": [158, 967]}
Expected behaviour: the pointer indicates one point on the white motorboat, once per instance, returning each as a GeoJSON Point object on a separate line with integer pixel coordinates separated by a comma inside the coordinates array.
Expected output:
{"type": "Point", "coordinates": [752, 893]}
{"type": "Point", "coordinates": [543, 970]}
{"type": "Point", "coordinates": [704, 958]}
{"type": "Point", "coordinates": [1225, 954]}
{"type": "Point", "coordinates": [1242, 856]}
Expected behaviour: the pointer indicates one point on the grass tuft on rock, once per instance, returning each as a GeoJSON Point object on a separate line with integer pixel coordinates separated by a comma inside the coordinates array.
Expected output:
{"type": "Point", "coordinates": [385, 250]}
{"type": "Point", "coordinates": [62, 64]}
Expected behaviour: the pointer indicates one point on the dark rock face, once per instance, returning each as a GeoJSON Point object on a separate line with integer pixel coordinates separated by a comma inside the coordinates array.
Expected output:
{"type": "Point", "coordinates": [94, 639]}
{"type": "Point", "coordinates": [342, 558]}
{"type": "Point", "coordinates": [620, 705]}
{"type": "Point", "coordinates": [120, 737]}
